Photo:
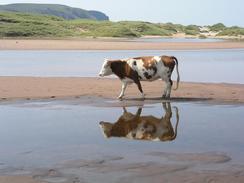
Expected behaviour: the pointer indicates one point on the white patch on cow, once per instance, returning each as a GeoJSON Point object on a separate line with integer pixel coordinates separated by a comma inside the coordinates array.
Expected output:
{"type": "Point", "coordinates": [157, 58]}
{"type": "Point", "coordinates": [127, 80]}
{"type": "Point", "coordinates": [142, 129]}
{"type": "Point", "coordinates": [163, 73]}
{"type": "Point", "coordinates": [140, 69]}
{"type": "Point", "coordinates": [156, 139]}
{"type": "Point", "coordinates": [161, 69]}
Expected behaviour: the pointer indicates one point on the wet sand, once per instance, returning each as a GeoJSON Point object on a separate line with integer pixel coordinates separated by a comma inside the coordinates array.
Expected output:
{"type": "Point", "coordinates": [169, 167]}
{"type": "Point", "coordinates": [18, 179]}
{"type": "Point", "coordinates": [60, 87]}
{"type": "Point", "coordinates": [110, 44]}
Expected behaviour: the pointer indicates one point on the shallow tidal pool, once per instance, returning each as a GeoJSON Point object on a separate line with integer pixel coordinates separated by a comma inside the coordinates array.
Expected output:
{"type": "Point", "coordinates": [43, 133]}
{"type": "Point", "coordinates": [74, 140]}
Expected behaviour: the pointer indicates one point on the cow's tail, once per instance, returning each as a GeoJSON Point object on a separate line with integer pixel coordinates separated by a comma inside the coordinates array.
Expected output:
{"type": "Point", "coordinates": [177, 122]}
{"type": "Point", "coordinates": [178, 75]}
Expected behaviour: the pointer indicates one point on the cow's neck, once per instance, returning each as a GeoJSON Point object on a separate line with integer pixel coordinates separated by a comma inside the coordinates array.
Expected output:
{"type": "Point", "coordinates": [120, 69]}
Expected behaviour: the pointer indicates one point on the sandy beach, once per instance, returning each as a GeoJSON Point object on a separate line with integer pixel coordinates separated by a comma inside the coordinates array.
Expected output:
{"type": "Point", "coordinates": [60, 87]}
{"type": "Point", "coordinates": [110, 44]}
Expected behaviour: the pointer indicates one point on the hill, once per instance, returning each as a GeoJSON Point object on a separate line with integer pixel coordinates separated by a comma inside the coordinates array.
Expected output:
{"type": "Point", "coordinates": [45, 26]}
{"type": "Point", "coordinates": [63, 11]}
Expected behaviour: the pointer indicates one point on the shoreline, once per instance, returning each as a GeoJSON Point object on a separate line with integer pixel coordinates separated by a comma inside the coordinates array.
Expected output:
{"type": "Point", "coordinates": [28, 88]}
{"type": "Point", "coordinates": [111, 44]}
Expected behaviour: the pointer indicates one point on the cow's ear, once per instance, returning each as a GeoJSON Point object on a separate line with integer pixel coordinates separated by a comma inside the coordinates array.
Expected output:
{"type": "Point", "coordinates": [109, 63]}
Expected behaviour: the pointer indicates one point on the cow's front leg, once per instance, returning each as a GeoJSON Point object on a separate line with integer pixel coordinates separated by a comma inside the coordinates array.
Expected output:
{"type": "Point", "coordinates": [124, 85]}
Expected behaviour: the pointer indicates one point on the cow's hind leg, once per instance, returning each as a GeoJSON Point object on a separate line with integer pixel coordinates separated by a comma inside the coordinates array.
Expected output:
{"type": "Point", "coordinates": [138, 83]}
{"type": "Point", "coordinates": [167, 90]}
{"type": "Point", "coordinates": [169, 87]}
{"type": "Point", "coordinates": [167, 109]}
{"type": "Point", "coordinates": [124, 85]}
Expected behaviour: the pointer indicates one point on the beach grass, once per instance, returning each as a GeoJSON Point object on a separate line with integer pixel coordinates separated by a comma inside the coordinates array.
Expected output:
{"type": "Point", "coordinates": [35, 25]}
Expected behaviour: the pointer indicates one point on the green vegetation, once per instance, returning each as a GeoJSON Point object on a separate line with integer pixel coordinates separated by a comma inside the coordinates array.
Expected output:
{"type": "Point", "coordinates": [192, 30]}
{"type": "Point", "coordinates": [27, 25]}
{"type": "Point", "coordinates": [232, 31]}
{"type": "Point", "coordinates": [63, 11]}
{"type": "Point", "coordinates": [33, 25]}
{"type": "Point", "coordinates": [201, 36]}
{"type": "Point", "coordinates": [227, 31]}
{"type": "Point", "coordinates": [217, 27]}
{"type": "Point", "coordinates": [36, 25]}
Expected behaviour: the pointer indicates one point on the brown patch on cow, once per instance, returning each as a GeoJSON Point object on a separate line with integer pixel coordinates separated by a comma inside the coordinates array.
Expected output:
{"type": "Point", "coordinates": [123, 70]}
{"type": "Point", "coordinates": [168, 62]}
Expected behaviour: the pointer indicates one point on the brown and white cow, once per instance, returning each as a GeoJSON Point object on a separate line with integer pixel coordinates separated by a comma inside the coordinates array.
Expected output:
{"type": "Point", "coordinates": [135, 126]}
{"type": "Point", "coordinates": [148, 68]}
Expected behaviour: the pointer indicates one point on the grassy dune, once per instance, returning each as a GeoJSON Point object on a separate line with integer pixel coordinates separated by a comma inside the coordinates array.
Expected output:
{"type": "Point", "coordinates": [34, 25]}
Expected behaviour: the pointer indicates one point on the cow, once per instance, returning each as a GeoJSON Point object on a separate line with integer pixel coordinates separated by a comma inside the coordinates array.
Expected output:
{"type": "Point", "coordinates": [135, 126]}
{"type": "Point", "coordinates": [147, 68]}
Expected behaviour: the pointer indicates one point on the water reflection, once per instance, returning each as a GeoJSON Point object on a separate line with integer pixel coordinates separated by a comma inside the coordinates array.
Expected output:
{"type": "Point", "coordinates": [135, 126]}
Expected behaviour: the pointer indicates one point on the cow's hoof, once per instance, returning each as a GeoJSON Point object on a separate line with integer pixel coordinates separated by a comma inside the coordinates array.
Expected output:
{"type": "Point", "coordinates": [164, 97]}
{"type": "Point", "coordinates": [120, 98]}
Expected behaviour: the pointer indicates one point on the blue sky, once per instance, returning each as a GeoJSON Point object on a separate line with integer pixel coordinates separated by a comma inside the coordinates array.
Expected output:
{"type": "Point", "coordinates": [200, 12]}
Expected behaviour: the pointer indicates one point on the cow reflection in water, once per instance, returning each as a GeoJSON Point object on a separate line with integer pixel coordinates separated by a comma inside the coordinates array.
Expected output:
{"type": "Point", "coordinates": [135, 126]}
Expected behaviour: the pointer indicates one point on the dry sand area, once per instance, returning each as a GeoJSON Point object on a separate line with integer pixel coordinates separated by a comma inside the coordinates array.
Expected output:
{"type": "Point", "coordinates": [60, 87]}
{"type": "Point", "coordinates": [111, 44]}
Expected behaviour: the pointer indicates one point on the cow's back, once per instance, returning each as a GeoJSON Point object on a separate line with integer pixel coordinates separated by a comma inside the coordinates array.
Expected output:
{"type": "Point", "coordinates": [151, 68]}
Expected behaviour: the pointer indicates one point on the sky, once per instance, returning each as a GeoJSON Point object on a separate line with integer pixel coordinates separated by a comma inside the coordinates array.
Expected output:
{"type": "Point", "coordinates": [199, 12]}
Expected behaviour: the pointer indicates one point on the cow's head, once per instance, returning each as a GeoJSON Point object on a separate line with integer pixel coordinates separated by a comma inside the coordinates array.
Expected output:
{"type": "Point", "coordinates": [106, 69]}
{"type": "Point", "coordinates": [106, 128]}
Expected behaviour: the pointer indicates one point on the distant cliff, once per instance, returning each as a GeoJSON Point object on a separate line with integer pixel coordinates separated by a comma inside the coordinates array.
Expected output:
{"type": "Point", "coordinates": [55, 9]}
